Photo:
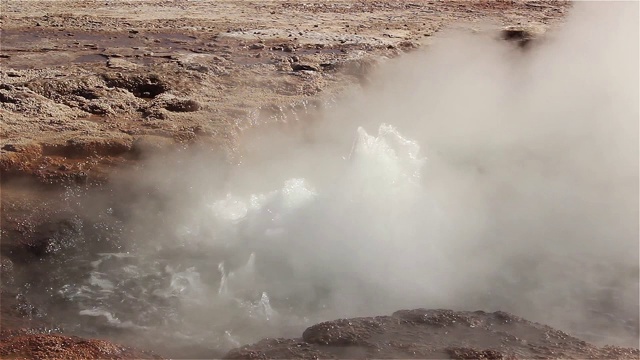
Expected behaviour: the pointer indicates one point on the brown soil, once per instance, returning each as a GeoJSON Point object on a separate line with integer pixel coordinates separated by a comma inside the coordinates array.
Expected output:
{"type": "Point", "coordinates": [431, 334]}
{"type": "Point", "coordinates": [32, 345]}
{"type": "Point", "coordinates": [86, 86]}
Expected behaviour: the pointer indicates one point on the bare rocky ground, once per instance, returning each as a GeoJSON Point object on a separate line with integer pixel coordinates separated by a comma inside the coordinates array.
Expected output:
{"type": "Point", "coordinates": [86, 86]}
{"type": "Point", "coordinates": [89, 87]}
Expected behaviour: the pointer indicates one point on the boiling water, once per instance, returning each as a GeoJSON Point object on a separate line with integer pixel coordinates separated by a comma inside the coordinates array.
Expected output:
{"type": "Point", "coordinates": [374, 238]}
{"type": "Point", "coordinates": [378, 233]}
{"type": "Point", "coordinates": [270, 264]}
{"type": "Point", "coordinates": [527, 203]}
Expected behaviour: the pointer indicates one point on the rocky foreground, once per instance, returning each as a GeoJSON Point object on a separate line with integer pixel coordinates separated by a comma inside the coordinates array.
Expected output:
{"type": "Point", "coordinates": [432, 334]}
{"type": "Point", "coordinates": [32, 345]}
{"type": "Point", "coordinates": [407, 334]}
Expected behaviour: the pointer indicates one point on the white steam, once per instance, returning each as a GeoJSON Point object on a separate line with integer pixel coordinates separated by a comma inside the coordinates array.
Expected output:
{"type": "Point", "coordinates": [505, 180]}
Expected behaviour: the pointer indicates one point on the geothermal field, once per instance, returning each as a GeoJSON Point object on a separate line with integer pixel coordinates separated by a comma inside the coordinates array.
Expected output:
{"type": "Point", "coordinates": [319, 179]}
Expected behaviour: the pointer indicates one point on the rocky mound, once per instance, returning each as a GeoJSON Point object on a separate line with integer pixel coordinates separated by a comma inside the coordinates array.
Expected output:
{"type": "Point", "coordinates": [31, 345]}
{"type": "Point", "coordinates": [432, 334]}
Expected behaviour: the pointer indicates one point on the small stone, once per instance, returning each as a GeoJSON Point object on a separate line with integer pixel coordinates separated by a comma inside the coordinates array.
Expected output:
{"type": "Point", "coordinates": [182, 105]}
{"type": "Point", "coordinates": [10, 147]}
{"type": "Point", "coordinates": [303, 67]}
{"type": "Point", "coordinates": [328, 66]}
{"type": "Point", "coordinates": [288, 48]}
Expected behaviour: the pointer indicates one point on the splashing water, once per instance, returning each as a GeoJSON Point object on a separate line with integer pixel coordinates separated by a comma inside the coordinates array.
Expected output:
{"type": "Point", "coordinates": [374, 239]}
{"type": "Point", "coordinates": [273, 263]}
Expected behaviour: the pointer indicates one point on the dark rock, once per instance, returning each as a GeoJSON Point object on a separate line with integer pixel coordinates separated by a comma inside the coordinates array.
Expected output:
{"type": "Point", "coordinates": [522, 37]}
{"type": "Point", "coordinates": [8, 99]}
{"type": "Point", "coordinates": [97, 108]}
{"type": "Point", "coordinates": [303, 67]}
{"type": "Point", "coordinates": [9, 147]}
{"type": "Point", "coordinates": [342, 332]}
{"type": "Point", "coordinates": [431, 334]}
{"type": "Point", "coordinates": [328, 66]}
{"type": "Point", "coordinates": [142, 86]}
{"type": "Point", "coordinates": [182, 105]}
{"type": "Point", "coordinates": [467, 353]}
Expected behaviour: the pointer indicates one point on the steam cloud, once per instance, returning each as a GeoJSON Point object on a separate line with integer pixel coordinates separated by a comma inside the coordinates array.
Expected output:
{"type": "Point", "coordinates": [507, 180]}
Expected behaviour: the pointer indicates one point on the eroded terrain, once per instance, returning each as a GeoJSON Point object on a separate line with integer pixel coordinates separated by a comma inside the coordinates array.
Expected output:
{"type": "Point", "coordinates": [90, 85]}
